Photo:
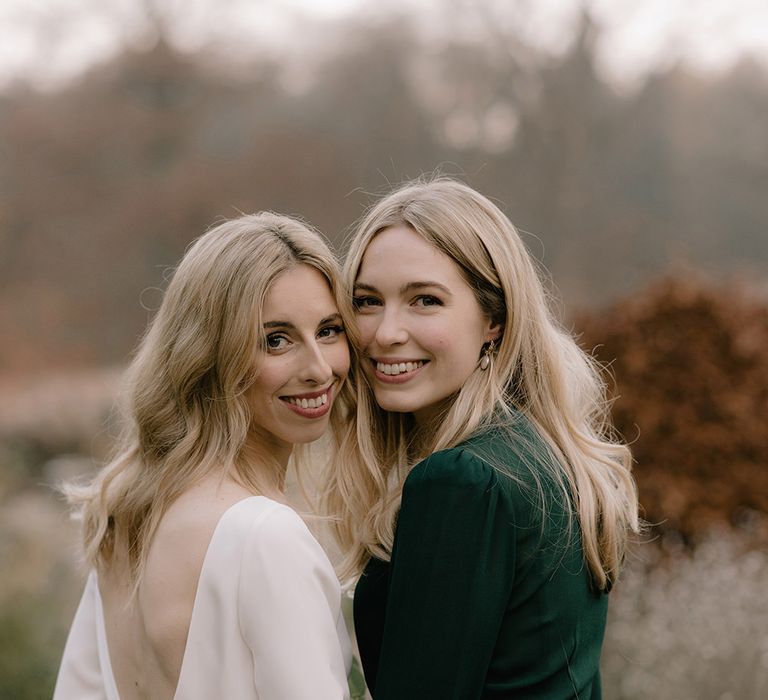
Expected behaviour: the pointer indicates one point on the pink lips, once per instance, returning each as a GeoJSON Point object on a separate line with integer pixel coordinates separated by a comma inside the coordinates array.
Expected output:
{"type": "Point", "coordinates": [308, 412]}
{"type": "Point", "coordinates": [395, 378]}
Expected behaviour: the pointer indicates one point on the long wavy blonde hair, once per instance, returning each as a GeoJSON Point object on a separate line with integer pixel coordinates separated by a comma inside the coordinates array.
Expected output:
{"type": "Point", "coordinates": [188, 415]}
{"type": "Point", "coordinates": [538, 371]}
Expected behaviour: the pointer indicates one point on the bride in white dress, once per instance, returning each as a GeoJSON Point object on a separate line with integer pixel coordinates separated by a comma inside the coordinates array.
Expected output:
{"type": "Point", "coordinates": [204, 584]}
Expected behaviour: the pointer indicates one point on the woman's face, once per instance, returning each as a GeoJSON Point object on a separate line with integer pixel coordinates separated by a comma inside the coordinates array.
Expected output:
{"type": "Point", "coordinates": [305, 361]}
{"type": "Point", "coordinates": [422, 330]}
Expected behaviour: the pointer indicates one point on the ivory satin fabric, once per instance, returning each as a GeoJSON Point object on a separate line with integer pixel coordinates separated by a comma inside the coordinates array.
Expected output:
{"type": "Point", "coordinates": [266, 624]}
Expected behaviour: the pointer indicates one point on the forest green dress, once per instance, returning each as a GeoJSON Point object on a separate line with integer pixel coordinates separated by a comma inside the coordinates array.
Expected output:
{"type": "Point", "coordinates": [487, 594]}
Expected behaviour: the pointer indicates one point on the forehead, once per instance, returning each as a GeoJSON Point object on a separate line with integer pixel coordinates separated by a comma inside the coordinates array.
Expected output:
{"type": "Point", "coordinates": [301, 292]}
{"type": "Point", "coordinates": [399, 253]}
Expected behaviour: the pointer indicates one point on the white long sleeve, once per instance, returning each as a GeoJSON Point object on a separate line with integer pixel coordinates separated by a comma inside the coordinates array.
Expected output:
{"type": "Point", "coordinates": [290, 613]}
{"type": "Point", "coordinates": [266, 623]}
{"type": "Point", "coordinates": [80, 675]}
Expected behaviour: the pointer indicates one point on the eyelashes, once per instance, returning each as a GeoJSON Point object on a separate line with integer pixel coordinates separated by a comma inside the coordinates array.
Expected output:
{"type": "Point", "coordinates": [281, 341]}
{"type": "Point", "coordinates": [423, 300]}
{"type": "Point", "coordinates": [334, 330]}
{"type": "Point", "coordinates": [429, 300]}
{"type": "Point", "coordinates": [362, 302]}
{"type": "Point", "coordinates": [273, 341]}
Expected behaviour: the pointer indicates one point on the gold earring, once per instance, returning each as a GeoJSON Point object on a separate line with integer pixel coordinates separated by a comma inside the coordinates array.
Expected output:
{"type": "Point", "coordinates": [485, 360]}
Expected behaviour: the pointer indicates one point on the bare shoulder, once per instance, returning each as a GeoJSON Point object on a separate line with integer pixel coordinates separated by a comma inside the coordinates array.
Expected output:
{"type": "Point", "coordinates": [175, 559]}
{"type": "Point", "coordinates": [148, 634]}
{"type": "Point", "coordinates": [184, 533]}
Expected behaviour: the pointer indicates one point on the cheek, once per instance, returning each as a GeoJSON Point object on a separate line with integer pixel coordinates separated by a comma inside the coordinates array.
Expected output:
{"type": "Point", "coordinates": [271, 377]}
{"type": "Point", "coordinates": [445, 339]}
{"type": "Point", "coordinates": [338, 358]}
{"type": "Point", "coordinates": [434, 335]}
{"type": "Point", "coordinates": [366, 326]}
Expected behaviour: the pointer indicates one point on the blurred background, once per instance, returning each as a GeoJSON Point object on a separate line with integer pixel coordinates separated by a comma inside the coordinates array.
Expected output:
{"type": "Point", "coordinates": [628, 141]}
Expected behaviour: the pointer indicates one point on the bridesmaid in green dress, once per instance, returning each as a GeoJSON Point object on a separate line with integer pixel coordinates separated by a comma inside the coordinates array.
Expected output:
{"type": "Point", "coordinates": [480, 496]}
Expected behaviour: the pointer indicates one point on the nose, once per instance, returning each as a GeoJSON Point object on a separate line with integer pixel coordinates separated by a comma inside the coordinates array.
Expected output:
{"type": "Point", "coordinates": [390, 330]}
{"type": "Point", "coordinates": [315, 369]}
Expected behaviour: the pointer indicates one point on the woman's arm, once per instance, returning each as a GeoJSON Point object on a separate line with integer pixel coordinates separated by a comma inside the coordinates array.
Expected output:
{"type": "Point", "coordinates": [290, 613]}
{"type": "Point", "coordinates": [80, 674]}
{"type": "Point", "coordinates": [451, 575]}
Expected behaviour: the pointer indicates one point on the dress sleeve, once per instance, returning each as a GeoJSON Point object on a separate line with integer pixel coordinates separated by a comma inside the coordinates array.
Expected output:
{"type": "Point", "coordinates": [290, 613]}
{"type": "Point", "coordinates": [451, 576]}
{"type": "Point", "coordinates": [80, 674]}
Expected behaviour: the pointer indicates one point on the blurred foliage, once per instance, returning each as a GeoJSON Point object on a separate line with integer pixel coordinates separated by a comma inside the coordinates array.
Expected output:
{"type": "Point", "coordinates": [356, 681]}
{"type": "Point", "coordinates": [38, 589]}
{"type": "Point", "coordinates": [693, 626]}
{"type": "Point", "coordinates": [20, 462]}
{"type": "Point", "coordinates": [691, 365]}
{"type": "Point", "coordinates": [104, 183]}
{"type": "Point", "coordinates": [29, 650]}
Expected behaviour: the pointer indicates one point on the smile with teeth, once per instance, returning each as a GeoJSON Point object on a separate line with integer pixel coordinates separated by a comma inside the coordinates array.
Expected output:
{"type": "Point", "coordinates": [399, 367]}
{"type": "Point", "coordinates": [308, 403]}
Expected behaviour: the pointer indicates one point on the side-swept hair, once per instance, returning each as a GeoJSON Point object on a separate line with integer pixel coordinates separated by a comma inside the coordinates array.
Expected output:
{"type": "Point", "coordinates": [538, 371]}
{"type": "Point", "coordinates": [186, 390]}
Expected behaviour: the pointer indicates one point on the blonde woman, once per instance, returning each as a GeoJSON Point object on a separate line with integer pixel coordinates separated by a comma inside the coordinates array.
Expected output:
{"type": "Point", "coordinates": [479, 496]}
{"type": "Point", "coordinates": [204, 584]}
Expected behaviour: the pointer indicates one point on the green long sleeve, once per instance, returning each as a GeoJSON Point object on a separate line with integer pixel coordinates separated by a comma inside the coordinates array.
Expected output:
{"type": "Point", "coordinates": [451, 575]}
{"type": "Point", "coordinates": [487, 594]}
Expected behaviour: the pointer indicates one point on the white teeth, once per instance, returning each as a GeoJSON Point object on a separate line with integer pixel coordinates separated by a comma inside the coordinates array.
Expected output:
{"type": "Point", "coordinates": [308, 403]}
{"type": "Point", "coordinates": [398, 367]}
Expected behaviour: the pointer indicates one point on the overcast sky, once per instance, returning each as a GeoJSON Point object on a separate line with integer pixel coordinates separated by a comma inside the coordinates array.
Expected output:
{"type": "Point", "coordinates": [52, 40]}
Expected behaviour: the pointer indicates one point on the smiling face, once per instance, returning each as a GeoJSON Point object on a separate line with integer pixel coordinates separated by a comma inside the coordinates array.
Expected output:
{"type": "Point", "coordinates": [421, 327]}
{"type": "Point", "coordinates": [305, 361]}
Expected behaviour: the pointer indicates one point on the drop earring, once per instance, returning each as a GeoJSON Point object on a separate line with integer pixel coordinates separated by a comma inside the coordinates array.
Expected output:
{"type": "Point", "coordinates": [485, 360]}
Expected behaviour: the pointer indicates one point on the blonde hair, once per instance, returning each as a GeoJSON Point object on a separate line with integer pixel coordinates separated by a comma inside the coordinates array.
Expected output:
{"type": "Point", "coordinates": [188, 413]}
{"type": "Point", "coordinates": [538, 371]}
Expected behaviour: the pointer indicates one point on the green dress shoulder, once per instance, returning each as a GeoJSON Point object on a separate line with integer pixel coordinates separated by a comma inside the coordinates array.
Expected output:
{"type": "Point", "coordinates": [487, 594]}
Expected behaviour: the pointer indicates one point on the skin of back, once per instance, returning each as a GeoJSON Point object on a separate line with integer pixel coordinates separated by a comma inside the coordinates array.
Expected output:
{"type": "Point", "coordinates": [147, 634]}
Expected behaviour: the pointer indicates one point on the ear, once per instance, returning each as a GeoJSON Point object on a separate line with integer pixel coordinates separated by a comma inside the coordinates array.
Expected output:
{"type": "Point", "coordinates": [493, 331]}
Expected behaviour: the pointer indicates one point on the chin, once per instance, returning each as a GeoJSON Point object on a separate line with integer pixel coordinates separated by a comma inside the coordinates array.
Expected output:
{"type": "Point", "coordinates": [315, 433]}
{"type": "Point", "coordinates": [311, 438]}
{"type": "Point", "coordinates": [396, 404]}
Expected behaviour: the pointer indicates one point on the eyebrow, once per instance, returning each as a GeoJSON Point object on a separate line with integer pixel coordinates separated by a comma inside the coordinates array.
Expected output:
{"type": "Point", "coordinates": [409, 287]}
{"type": "Point", "coordinates": [270, 325]}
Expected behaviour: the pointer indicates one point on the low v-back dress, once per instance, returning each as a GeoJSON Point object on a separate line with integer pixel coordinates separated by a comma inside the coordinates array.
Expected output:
{"type": "Point", "coordinates": [266, 624]}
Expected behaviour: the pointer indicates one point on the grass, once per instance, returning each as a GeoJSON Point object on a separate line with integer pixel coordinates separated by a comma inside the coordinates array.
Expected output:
{"type": "Point", "coordinates": [691, 625]}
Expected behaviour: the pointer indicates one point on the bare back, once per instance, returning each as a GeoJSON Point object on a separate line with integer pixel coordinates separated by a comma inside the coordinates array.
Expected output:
{"type": "Point", "coordinates": [147, 636]}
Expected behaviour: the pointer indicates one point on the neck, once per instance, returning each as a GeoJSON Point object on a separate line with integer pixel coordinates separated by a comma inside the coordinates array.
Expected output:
{"type": "Point", "coordinates": [266, 453]}
{"type": "Point", "coordinates": [429, 417]}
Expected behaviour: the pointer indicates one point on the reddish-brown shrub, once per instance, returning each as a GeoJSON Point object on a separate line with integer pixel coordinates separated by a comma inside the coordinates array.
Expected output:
{"type": "Point", "coordinates": [690, 364]}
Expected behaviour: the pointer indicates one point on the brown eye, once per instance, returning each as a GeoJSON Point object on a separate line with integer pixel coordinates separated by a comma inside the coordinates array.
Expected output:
{"type": "Point", "coordinates": [276, 341]}
{"type": "Point", "coordinates": [365, 302]}
{"type": "Point", "coordinates": [331, 332]}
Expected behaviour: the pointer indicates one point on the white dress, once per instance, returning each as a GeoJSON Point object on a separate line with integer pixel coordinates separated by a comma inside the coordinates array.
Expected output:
{"type": "Point", "coordinates": [266, 623]}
